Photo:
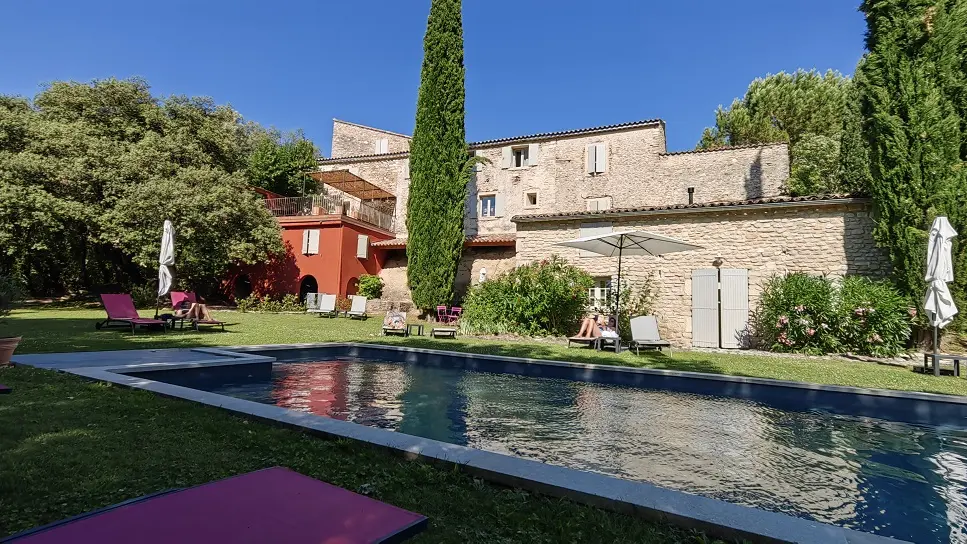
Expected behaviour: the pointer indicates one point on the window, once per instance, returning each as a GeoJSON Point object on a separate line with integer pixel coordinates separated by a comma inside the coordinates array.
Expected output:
{"type": "Point", "coordinates": [598, 204]}
{"type": "Point", "coordinates": [488, 206]}
{"type": "Point", "coordinates": [362, 246]}
{"type": "Point", "coordinates": [530, 199]}
{"type": "Point", "coordinates": [518, 157]}
{"type": "Point", "coordinates": [599, 294]}
{"type": "Point", "coordinates": [382, 145]}
{"type": "Point", "coordinates": [310, 242]}
{"type": "Point", "coordinates": [597, 158]}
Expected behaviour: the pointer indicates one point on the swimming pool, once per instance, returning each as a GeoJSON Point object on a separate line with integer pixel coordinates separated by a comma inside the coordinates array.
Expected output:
{"type": "Point", "coordinates": [893, 479]}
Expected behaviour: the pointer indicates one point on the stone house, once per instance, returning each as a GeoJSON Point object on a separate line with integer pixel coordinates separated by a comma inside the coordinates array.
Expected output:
{"type": "Point", "coordinates": [537, 190]}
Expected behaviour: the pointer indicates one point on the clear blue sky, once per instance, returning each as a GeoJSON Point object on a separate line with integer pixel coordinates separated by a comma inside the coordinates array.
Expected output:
{"type": "Point", "coordinates": [532, 65]}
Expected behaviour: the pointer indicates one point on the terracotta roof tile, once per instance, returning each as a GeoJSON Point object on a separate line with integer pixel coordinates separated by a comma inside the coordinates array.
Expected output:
{"type": "Point", "coordinates": [573, 132]}
{"type": "Point", "coordinates": [722, 148]}
{"type": "Point", "coordinates": [830, 198]}
{"type": "Point", "coordinates": [485, 240]}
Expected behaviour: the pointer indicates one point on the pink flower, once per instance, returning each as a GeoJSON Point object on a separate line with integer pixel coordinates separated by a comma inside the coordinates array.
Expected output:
{"type": "Point", "coordinates": [783, 320]}
{"type": "Point", "coordinates": [811, 332]}
{"type": "Point", "coordinates": [912, 312]}
{"type": "Point", "coordinates": [800, 308]}
{"type": "Point", "coordinates": [859, 311]}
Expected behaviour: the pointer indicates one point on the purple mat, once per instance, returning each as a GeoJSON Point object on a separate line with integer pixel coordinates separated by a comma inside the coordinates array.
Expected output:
{"type": "Point", "coordinates": [4, 389]}
{"type": "Point", "coordinates": [270, 505]}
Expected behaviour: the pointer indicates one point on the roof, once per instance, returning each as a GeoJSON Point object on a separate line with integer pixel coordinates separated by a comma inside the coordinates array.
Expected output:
{"type": "Point", "coordinates": [347, 182]}
{"type": "Point", "coordinates": [779, 201]}
{"type": "Point", "coordinates": [367, 127]}
{"type": "Point", "coordinates": [361, 158]}
{"type": "Point", "coordinates": [574, 132]}
{"type": "Point", "coordinates": [506, 239]}
{"type": "Point", "coordinates": [723, 148]}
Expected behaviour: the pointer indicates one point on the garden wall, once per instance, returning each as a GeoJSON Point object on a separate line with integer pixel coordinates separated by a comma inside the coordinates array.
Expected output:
{"type": "Point", "coordinates": [816, 237]}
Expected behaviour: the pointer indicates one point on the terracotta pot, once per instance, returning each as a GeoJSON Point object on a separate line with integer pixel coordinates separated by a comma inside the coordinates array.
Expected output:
{"type": "Point", "coordinates": [7, 345]}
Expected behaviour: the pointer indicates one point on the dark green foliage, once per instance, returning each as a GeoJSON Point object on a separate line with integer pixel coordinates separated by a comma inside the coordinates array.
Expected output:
{"type": "Point", "coordinates": [797, 313]}
{"type": "Point", "coordinates": [635, 300]}
{"type": "Point", "coordinates": [370, 286]}
{"type": "Point", "coordinates": [545, 298]}
{"type": "Point", "coordinates": [10, 290]}
{"type": "Point", "coordinates": [912, 93]}
{"type": "Point", "coordinates": [811, 314]}
{"type": "Point", "coordinates": [854, 151]}
{"type": "Point", "coordinates": [269, 305]}
{"type": "Point", "coordinates": [808, 110]}
{"type": "Point", "coordinates": [440, 164]}
{"type": "Point", "coordinates": [874, 318]}
{"type": "Point", "coordinates": [279, 163]}
{"type": "Point", "coordinates": [89, 172]}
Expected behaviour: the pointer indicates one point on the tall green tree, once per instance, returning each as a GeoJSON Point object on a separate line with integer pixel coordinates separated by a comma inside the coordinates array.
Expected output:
{"type": "Point", "coordinates": [439, 162]}
{"type": "Point", "coordinates": [279, 163]}
{"type": "Point", "coordinates": [913, 95]}
{"type": "Point", "coordinates": [89, 172]}
{"type": "Point", "coordinates": [806, 109]}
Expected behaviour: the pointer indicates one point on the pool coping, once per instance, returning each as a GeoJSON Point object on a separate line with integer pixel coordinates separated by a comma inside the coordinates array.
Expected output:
{"type": "Point", "coordinates": [715, 517]}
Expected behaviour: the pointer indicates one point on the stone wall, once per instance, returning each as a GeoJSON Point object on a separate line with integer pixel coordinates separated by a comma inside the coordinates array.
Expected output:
{"type": "Point", "coordinates": [350, 139]}
{"type": "Point", "coordinates": [832, 240]}
{"type": "Point", "coordinates": [495, 259]}
{"type": "Point", "coordinates": [740, 173]}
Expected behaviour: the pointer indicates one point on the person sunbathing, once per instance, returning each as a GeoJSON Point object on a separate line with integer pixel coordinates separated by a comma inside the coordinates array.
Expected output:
{"type": "Point", "coordinates": [196, 311]}
{"type": "Point", "coordinates": [593, 327]}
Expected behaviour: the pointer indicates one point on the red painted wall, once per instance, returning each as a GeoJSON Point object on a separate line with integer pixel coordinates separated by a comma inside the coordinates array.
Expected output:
{"type": "Point", "coordinates": [335, 267]}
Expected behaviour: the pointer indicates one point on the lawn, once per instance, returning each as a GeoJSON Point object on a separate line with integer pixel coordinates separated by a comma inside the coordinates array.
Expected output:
{"type": "Point", "coordinates": [48, 330]}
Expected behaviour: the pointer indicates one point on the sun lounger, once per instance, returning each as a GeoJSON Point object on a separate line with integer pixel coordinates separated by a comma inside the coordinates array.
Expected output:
{"type": "Point", "coordinates": [121, 312]}
{"type": "Point", "coordinates": [325, 306]}
{"type": "Point", "coordinates": [4, 389]}
{"type": "Point", "coordinates": [269, 505]}
{"type": "Point", "coordinates": [178, 298]}
{"type": "Point", "coordinates": [644, 334]}
{"type": "Point", "coordinates": [597, 343]}
{"type": "Point", "coordinates": [443, 332]}
{"type": "Point", "coordinates": [358, 309]}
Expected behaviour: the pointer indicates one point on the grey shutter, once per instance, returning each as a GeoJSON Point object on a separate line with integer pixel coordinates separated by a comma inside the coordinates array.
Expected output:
{"type": "Point", "coordinates": [305, 242]}
{"type": "Point", "coordinates": [589, 159]}
{"type": "Point", "coordinates": [533, 154]}
{"type": "Point", "coordinates": [705, 308]}
{"type": "Point", "coordinates": [593, 229]}
{"type": "Point", "coordinates": [498, 205]}
{"type": "Point", "coordinates": [362, 246]}
{"type": "Point", "coordinates": [506, 157]}
{"type": "Point", "coordinates": [735, 307]}
{"type": "Point", "coordinates": [601, 158]}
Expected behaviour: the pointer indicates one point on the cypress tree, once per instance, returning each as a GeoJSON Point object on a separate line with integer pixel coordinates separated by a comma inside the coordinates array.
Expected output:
{"type": "Point", "coordinates": [911, 93]}
{"type": "Point", "coordinates": [854, 152]}
{"type": "Point", "coordinates": [439, 162]}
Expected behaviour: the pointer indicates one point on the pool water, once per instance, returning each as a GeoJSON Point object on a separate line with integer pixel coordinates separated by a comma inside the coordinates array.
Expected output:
{"type": "Point", "coordinates": [893, 479]}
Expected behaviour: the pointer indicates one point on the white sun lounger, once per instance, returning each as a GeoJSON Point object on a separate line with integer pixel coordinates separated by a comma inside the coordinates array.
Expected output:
{"type": "Point", "coordinates": [358, 309]}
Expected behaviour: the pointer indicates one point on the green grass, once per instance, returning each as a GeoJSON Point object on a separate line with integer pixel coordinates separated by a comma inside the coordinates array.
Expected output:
{"type": "Point", "coordinates": [48, 330]}
{"type": "Point", "coordinates": [68, 446]}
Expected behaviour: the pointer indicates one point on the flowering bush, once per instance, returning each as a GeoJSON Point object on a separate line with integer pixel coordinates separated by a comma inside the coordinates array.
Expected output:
{"type": "Point", "coordinates": [797, 313]}
{"type": "Point", "coordinates": [546, 297]}
{"type": "Point", "coordinates": [809, 314]}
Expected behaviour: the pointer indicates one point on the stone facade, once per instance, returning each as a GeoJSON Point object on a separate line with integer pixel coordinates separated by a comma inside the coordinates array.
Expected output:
{"type": "Point", "coordinates": [351, 140]}
{"type": "Point", "coordinates": [764, 239]}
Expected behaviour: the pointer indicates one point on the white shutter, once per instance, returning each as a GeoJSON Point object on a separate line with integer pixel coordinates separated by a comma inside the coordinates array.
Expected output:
{"type": "Point", "coordinates": [600, 158]}
{"type": "Point", "coordinates": [506, 156]}
{"type": "Point", "coordinates": [498, 205]}
{"type": "Point", "coordinates": [533, 154]}
{"type": "Point", "coordinates": [593, 229]}
{"type": "Point", "coordinates": [589, 159]}
{"type": "Point", "coordinates": [362, 246]}
{"type": "Point", "coordinates": [314, 242]}
{"type": "Point", "coordinates": [479, 166]}
{"type": "Point", "coordinates": [305, 242]}
{"type": "Point", "coordinates": [705, 308]}
{"type": "Point", "coordinates": [735, 307]}
{"type": "Point", "coordinates": [382, 145]}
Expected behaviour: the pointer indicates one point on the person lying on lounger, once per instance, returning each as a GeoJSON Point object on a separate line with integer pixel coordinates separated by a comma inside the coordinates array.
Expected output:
{"type": "Point", "coordinates": [593, 327]}
{"type": "Point", "coordinates": [197, 311]}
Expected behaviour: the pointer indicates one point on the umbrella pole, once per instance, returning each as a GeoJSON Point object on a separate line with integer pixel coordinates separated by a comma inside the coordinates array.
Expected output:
{"type": "Point", "coordinates": [617, 299]}
{"type": "Point", "coordinates": [936, 367]}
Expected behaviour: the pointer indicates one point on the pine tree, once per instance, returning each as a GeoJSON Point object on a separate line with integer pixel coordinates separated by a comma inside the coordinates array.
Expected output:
{"type": "Point", "coordinates": [439, 160]}
{"type": "Point", "coordinates": [912, 92]}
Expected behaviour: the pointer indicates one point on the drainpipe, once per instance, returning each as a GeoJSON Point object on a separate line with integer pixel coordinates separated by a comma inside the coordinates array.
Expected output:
{"type": "Point", "coordinates": [691, 195]}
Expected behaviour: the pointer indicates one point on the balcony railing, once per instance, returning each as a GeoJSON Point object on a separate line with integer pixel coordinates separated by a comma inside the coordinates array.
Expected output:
{"type": "Point", "coordinates": [329, 205]}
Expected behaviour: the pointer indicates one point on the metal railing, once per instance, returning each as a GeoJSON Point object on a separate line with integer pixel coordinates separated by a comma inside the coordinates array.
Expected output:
{"type": "Point", "coordinates": [328, 205]}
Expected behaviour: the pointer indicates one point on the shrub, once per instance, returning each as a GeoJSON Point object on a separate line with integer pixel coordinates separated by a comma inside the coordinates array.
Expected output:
{"type": "Point", "coordinates": [292, 303]}
{"type": "Point", "coordinates": [635, 301]}
{"type": "Point", "coordinates": [370, 286]}
{"type": "Point", "coordinates": [288, 303]}
{"type": "Point", "coordinates": [798, 314]}
{"type": "Point", "coordinates": [542, 298]}
{"type": "Point", "coordinates": [247, 304]}
{"type": "Point", "coordinates": [11, 288]}
{"type": "Point", "coordinates": [874, 318]}
{"type": "Point", "coordinates": [145, 296]}
{"type": "Point", "coordinates": [809, 314]}
{"type": "Point", "coordinates": [343, 304]}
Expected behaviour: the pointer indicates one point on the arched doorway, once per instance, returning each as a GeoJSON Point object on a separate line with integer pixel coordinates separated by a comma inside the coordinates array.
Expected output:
{"type": "Point", "coordinates": [352, 287]}
{"type": "Point", "coordinates": [242, 288]}
{"type": "Point", "coordinates": [308, 285]}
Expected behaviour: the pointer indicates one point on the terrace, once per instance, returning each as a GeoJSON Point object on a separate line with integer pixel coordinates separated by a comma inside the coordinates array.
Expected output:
{"type": "Point", "coordinates": [376, 213]}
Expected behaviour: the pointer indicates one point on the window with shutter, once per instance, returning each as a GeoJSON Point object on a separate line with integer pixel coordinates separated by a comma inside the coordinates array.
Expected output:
{"type": "Point", "coordinates": [519, 156]}
{"type": "Point", "coordinates": [362, 246]}
{"type": "Point", "coordinates": [382, 145]}
{"type": "Point", "coordinates": [597, 158]}
{"type": "Point", "coordinates": [593, 229]}
{"type": "Point", "coordinates": [478, 167]}
{"type": "Point", "coordinates": [488, 205]}
{"type": "Point", "coordinates": [305, 242]}
{"type": "Point", "coordinates": [505, 157]}
{"type": "Point", "coordinates": [598, 204]}
{"type": "Point", "coordinates": [499, 205]}
{"type": "Point", "coordinates": [313, 245]}
{"type": "Point", "coordinates": [533, 154]}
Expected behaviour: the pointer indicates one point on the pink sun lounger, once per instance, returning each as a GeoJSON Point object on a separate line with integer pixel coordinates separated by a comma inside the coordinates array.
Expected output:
{"type": "Point", "coordinates": [121, 311]}
{"type": "Point", "coordinates": [180, 297]}
{"type": "Point", "coordinates": [269, 505]}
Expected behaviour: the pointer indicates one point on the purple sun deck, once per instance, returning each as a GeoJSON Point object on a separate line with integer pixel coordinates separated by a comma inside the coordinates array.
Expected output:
{"type": "Point", "coordinates": [4, 389]}
{"type": "Point", "coordinates": [270, 505]}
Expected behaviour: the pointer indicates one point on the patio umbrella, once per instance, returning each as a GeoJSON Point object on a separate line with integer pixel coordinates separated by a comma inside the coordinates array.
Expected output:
{"type": "Point", "coordinates": [166, 259]}
{"type": "Point", "coordinates": [636, 242]}
{"type": "Point", "coordinates": [938, 303]}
